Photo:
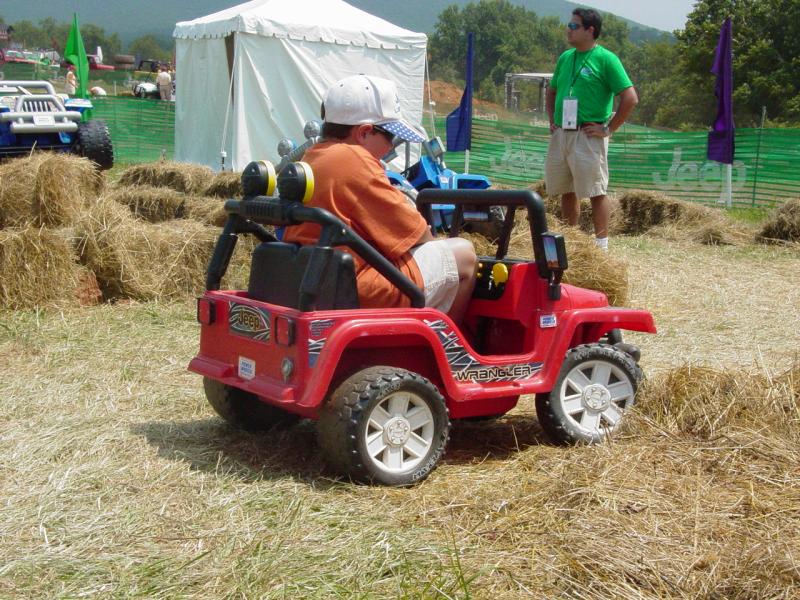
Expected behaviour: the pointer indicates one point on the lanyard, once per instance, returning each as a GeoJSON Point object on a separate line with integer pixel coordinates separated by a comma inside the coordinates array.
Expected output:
{"type": "Point", "coordinates": [583, 64]}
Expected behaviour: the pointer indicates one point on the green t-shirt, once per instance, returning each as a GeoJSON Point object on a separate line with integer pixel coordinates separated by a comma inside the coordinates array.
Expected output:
{"type": "Point", "coordinates": [598, 76]}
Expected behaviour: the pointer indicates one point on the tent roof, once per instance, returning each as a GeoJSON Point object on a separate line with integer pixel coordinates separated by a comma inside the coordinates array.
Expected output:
{"type": "Point", "coordinates": [332, 21]}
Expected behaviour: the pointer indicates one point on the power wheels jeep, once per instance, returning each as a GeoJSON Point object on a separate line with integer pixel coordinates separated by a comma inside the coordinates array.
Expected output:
{"type": "Point", "coordinates": [33, 116]}
{"type": "Point", "coordinates": [383, 384]}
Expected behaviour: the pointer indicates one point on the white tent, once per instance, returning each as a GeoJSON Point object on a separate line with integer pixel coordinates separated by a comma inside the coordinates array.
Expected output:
{"type": "Point", "coordinates": [252, 74]}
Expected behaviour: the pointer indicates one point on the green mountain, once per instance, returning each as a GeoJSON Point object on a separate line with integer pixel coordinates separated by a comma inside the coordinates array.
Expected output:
{"type": "Point", "coordinates": [133, 19]}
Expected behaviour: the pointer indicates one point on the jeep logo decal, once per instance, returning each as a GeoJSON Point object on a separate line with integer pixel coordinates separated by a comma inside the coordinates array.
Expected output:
{"type": "Point", "coordinates": [249, 322]}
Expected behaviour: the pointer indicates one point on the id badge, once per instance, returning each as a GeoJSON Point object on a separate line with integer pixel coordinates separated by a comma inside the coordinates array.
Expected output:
{"type": "Point", "coordinates": [569, 115]}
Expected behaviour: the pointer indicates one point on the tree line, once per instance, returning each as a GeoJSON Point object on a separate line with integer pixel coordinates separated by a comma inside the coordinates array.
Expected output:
{"type": "Point", "coordinates": [49, 34]}
{"type": "Point", "coordinates": [672, 74]}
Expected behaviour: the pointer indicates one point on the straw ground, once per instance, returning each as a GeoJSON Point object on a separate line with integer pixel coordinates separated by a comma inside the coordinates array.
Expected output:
{"type": "Point", "coordinates": [118, 480]}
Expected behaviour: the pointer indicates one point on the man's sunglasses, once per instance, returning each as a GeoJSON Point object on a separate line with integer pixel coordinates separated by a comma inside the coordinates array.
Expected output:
{"type": "Point", "coordinates": [573, 25]}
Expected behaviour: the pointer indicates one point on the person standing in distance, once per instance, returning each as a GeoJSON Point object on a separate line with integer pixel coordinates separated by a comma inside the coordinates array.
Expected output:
{"type": "Point", "coordinates": [579, 103]}
{"type": "Point", "coordinates": [164, 83]}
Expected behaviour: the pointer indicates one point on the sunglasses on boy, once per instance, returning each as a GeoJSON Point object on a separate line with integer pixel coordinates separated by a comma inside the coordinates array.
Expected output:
{"type": "Point", "coordinates": [387, 134]}
{"type": "Point", "coordinates": [573, 25]}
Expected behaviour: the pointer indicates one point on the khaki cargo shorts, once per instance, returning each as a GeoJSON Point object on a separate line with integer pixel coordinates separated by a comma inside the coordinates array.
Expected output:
{"type": "Point", "coordinates": [576, 163]}
{"type": "Point", "coordinates": [437, 263]}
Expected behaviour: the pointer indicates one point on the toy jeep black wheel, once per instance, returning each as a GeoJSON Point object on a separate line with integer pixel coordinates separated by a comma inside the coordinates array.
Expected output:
{"type": "Point", "coordinates": [94, 142]}
{"type": "Point", "coordinates": [596, 384]}
{"type": "Point", "coordinates": [244, 410]}
{"type": "Point", "coordinates": [384, 425]}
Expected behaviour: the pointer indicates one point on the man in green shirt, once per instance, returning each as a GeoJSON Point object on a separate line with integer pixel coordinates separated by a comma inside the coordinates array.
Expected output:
{"type": "Point", "coordinates": [579, 103]}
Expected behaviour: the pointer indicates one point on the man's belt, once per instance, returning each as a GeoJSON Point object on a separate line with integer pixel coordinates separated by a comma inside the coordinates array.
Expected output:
{"type": "Point", "coordinates": [587, 123]}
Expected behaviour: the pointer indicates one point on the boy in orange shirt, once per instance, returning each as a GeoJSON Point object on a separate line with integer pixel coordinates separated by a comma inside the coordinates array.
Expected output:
{"type": "Point", "coordinates": [362, 115]}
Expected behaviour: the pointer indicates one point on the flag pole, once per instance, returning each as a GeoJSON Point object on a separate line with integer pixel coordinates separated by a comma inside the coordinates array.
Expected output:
{"type": "Point", "coordinates": [466, 161]}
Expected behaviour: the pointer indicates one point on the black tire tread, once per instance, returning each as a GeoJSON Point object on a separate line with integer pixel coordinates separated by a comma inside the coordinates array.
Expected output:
{"type": "Point", "coordinates": [339, 419]}
{"type": "Point", "coordinates": [94, 143]}
{"type": "Point", "coordinates": [550, 422]}
{"type": "Point", "coordinates": [244, 410]}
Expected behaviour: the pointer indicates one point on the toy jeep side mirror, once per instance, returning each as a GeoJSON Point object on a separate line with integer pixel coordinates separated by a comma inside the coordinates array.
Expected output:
{"type": "Point", "coordinates": [555, 256]}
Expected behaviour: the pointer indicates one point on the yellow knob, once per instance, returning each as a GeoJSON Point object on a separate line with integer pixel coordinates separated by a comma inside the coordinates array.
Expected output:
{"type": "Point", "coordinates": [500, 273]}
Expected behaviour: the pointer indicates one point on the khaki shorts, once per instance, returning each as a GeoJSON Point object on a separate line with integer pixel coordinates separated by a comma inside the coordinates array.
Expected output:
{"type": "Point", "coordinates": [576, 163]}
{"type": "Point", "coordinates": [437, 263]}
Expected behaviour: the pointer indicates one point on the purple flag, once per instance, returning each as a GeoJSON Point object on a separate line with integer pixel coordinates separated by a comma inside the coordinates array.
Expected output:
{"type": "Point", "coordinates": [459, 122]}
{"type": "Point", "coordinates": [720, 138]}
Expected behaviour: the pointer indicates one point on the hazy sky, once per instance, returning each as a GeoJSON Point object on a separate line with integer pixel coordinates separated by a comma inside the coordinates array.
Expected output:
{"type": "Point", "coordinates": [663, 14]}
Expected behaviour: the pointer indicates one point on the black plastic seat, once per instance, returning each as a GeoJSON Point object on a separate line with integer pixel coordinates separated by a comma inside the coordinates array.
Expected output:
{"type": "Point", "coordinates": [277, 271]}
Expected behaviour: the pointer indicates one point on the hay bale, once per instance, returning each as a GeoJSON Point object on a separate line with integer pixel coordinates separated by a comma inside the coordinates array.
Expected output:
{"type": "Point", "coordinates": [47, 189]}
{"type": "Point", "coordinates": [65, 186]}
{"type": "Point", "coordinates": [656, 214]}
{"type": "Point", "coordinates": [181, 177]}
{"type": "Point", "coordinates": [226, 185]}
{"type": "Point", "coordinates": [38, 268]}
{"type": "Point", "coordinates": [783, 224]}
{"type": "Point", "coordinates": [704, 402]}
{"type": "Point", "coordinates": [17, 180]}
{"type": "Point", "coordinates": [149, 203]}
{"type": "Point", "coordinates": [210, 211]}
{"type": "Point", "coordinates": [589, 267]}
{"type": "Point", "coordinates": [594, 269]}
{"type": "Point", "coordinates": [143, 261]}
{"type": "Point", "coordinates": [552, 205]}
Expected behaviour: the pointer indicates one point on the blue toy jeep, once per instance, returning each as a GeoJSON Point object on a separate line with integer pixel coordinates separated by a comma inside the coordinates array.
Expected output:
{"type": "Point", "coordinates": [33, 116]}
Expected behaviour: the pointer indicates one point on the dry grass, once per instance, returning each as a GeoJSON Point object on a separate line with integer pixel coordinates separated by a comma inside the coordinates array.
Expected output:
{"type": "Point", "coordinates": [120, 481]}
{"type": "Point", "coordinates": [181, 177]}
{"type": "Point", "coordinates": [784, 223]}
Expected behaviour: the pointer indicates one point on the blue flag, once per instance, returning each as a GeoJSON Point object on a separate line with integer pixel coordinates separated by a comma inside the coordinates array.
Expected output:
{"type": "Point", "coordinates": [720, 138]}
{"type": "Point", "coordinates": [459, 122]}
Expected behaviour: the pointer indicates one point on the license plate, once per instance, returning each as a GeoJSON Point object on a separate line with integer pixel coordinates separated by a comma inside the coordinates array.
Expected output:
{"type": "Point", "coordinates": [43, 120]}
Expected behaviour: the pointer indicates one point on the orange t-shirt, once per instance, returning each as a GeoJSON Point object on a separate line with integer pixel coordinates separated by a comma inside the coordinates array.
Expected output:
{"type": "Point", "coordinates": [351, 183]}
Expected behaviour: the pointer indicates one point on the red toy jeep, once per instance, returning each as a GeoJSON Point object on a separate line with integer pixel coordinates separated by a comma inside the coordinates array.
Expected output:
{"type": "Point", "coordinates": [384, 383]}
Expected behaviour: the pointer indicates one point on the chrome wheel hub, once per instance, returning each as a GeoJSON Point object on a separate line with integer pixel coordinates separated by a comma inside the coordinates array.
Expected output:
{"type": "Point", "coordinates": [596, 397]}
{"type": "Point", "coordinates": [397, 431]}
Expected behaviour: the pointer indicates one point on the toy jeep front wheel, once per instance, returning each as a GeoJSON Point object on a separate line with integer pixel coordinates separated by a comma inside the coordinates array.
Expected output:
{"type": "Point", "coordinates": [94, 143]}
{"type": "Point", "coordinates": [243, 409]}
{"type": "Point", "coordinates": [596, 384]}
{"type": "Point", "coordinates": [384, 425]}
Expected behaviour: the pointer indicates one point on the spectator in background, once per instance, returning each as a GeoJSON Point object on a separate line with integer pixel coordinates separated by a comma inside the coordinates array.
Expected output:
{"type": "Point", "coordinates": [164, 83]}
{"type": "Point", "coordinates": [71, 83]}
{"type": "Point", "coordinates": [580, 100]}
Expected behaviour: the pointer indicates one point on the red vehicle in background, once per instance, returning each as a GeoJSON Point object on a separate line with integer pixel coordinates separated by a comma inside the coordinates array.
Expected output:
{"type": "Point", "coordinates": [95, 64]}
{"type": "Point", "coordinates": [14, 56]}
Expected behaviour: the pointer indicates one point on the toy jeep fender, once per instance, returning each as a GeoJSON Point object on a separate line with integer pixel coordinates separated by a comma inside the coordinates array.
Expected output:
{"type": "Point", "coordinates": [384, 383]}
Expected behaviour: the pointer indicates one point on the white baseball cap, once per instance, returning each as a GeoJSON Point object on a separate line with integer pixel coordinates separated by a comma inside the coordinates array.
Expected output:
{"type": "Point", "coordinates": [362, 100]}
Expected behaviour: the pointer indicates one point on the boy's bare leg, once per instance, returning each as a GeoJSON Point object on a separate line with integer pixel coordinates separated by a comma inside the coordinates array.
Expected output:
{"type": "Point", "coordinates": [467, 264]}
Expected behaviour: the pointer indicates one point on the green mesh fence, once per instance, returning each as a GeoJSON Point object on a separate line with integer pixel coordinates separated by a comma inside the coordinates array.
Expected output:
{"type": "Point", "coordinates": [765, 171]}
{"type": "Point", "coordinates": [513, 152]}
{"type": "Point", "coordinates": [142, 130]}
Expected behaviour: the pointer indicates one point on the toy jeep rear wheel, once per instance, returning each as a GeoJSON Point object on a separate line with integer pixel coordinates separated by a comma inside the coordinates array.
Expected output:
{"type": "Point", "coordinates": [384, 425]}
{"type": "Point", "coordinates": [243, 409]}
{"type": "Point", "coordinates": [94, 142]}
{"type": "Point", "coordinates": [596, 384]}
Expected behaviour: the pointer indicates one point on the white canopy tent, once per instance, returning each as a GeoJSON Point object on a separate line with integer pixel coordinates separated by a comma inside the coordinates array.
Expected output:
{"type": "Point", "coordinates": [253, 74]}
